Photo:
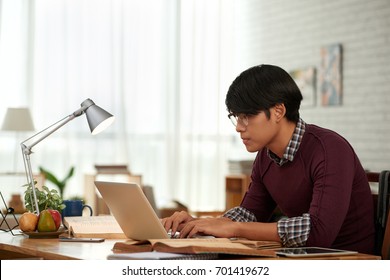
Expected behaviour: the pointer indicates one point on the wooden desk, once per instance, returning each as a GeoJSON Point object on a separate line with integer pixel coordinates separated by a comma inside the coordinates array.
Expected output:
{"type": "Point", "coordinates": [21, 247]}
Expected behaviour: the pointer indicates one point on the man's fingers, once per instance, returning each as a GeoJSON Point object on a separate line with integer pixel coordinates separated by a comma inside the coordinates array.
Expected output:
{"type": "Point", "coordinates": [176, 221]}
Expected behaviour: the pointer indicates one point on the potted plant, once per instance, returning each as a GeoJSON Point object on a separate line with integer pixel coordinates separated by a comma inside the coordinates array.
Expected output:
{"type": "Point", "coordinates": [50, 206]}
{"type": "Point", "coordinates": [46, 198]}
{"type": "Point", "coordinates": [61, 184]}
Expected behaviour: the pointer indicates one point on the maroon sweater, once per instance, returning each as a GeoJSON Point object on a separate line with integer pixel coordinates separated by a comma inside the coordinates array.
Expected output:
{"type": "Point", "coordinates": [326, 180]}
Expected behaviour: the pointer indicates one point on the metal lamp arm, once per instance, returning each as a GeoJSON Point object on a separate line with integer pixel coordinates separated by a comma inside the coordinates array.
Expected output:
{"type": "Point", "coordinates": [26, 149]}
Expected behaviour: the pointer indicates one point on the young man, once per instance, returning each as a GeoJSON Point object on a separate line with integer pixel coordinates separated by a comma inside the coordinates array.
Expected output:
{"type": "Point", "coordinates": [312, 174]}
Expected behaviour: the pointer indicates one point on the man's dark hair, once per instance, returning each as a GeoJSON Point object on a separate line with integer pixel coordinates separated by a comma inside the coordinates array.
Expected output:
{"type": "Point", "coordinates": [259, 88]}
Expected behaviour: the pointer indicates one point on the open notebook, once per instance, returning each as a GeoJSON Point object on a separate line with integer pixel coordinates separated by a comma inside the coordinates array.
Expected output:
{"type": "Point", "coordinates": [132, 210]}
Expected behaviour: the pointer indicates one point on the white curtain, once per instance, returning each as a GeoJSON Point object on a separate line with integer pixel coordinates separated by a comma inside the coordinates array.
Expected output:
{"type": "Point", "coordinates": [161, 67]}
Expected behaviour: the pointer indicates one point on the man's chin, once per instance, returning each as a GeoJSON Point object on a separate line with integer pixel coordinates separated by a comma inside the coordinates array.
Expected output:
{"type": "Point", "coordinates": [251, 149]}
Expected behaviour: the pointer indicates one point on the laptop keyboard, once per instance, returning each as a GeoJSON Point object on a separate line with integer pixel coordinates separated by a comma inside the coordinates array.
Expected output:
{"type": "Point", "coordinates": [177, 233]}
{"type": "Point", "coordinates": [173, 236]}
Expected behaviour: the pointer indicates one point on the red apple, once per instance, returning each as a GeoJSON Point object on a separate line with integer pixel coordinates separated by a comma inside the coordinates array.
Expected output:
{"type": "Point", "coordinates": [56, 217]}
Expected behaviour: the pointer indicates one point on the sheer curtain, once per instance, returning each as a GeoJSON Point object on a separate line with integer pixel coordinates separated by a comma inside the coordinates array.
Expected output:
{"type": "Point", "coordinates": [161, 67]}
{"type": "Point", "coordinates": [202, 128]}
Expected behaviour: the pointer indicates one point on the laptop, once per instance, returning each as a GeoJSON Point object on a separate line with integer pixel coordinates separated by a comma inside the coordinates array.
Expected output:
{"type": "Point", "coordinates": [132, 210]}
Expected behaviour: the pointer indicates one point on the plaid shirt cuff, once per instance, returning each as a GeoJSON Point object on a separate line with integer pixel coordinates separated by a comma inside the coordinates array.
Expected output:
{"type": "Point", "coordinates": [240, 214]}
{"type": "Point", "coordinates": [294, 232]}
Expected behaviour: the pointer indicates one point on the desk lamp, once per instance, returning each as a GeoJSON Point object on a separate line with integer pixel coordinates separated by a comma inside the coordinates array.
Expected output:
{"type": "Point", "coordinates": [98, 120]}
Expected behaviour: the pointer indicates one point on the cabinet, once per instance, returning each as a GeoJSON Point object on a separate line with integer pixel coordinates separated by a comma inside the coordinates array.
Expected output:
{"type": "Point", "coordinates": [236, 186]}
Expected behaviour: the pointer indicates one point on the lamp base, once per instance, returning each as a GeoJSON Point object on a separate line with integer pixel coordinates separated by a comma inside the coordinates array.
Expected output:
{"type": "Point", "coordinates": [10, 224]}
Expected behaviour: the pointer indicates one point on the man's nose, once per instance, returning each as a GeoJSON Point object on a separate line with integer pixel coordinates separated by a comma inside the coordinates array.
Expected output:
{"type": "Point", "coordinates": [240, 127]}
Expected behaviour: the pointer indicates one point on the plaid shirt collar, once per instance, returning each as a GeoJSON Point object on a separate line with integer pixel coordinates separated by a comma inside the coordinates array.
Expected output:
{"type": "Point", "coordinates": [292, 147]}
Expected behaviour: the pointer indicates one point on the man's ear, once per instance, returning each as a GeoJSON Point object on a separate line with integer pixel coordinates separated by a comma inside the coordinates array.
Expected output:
{"type": "Point", "coordinates": [279, 111]}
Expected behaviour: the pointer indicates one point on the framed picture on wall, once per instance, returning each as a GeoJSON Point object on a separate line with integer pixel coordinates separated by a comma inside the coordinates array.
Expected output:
{"type": "Point", "coordinates": [330, 75]}
{"type": "Point", "coordinates": [306, 80]}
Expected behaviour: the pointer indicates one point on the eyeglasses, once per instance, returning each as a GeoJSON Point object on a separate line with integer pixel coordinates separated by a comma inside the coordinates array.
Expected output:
{"type": "Point", "coordinates": [241, 118]}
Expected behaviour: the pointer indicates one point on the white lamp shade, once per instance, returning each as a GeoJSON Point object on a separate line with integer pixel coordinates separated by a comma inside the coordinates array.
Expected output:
{"type": "Point", "coordinates": [18, 119]}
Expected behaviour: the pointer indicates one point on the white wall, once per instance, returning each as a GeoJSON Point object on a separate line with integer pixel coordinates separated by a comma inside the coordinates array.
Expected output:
{"type": "Point", "coordinates": [291, 33]}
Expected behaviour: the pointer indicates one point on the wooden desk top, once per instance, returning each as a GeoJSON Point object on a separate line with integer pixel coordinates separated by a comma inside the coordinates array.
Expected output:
{"type": "Point", "coordinates": [20, 246]}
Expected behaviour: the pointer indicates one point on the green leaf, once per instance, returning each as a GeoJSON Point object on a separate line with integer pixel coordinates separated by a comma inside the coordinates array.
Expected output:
{"type": "Point", "coordinates": [50, 176]}
{"type": "Point", "coordinates": [70, 174]}
{"type": "Point", "coordinates": [61, 184]}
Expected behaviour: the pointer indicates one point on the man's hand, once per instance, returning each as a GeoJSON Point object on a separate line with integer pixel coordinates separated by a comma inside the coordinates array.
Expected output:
{"type": "Point", "coordinates": [218, 227]}
{"type": "Point", "coordinates": [177, 221]}
{"type": "Point", "coordinates": [188, 226]}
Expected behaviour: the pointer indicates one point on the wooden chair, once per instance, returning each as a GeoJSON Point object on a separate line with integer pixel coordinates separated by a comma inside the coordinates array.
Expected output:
{"type": "Point", "coordinates": [384, 248]}
{"type": "Point", "coordinates": [373, 177]}
{"type": "Point", "coordinates": [386, 242]}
